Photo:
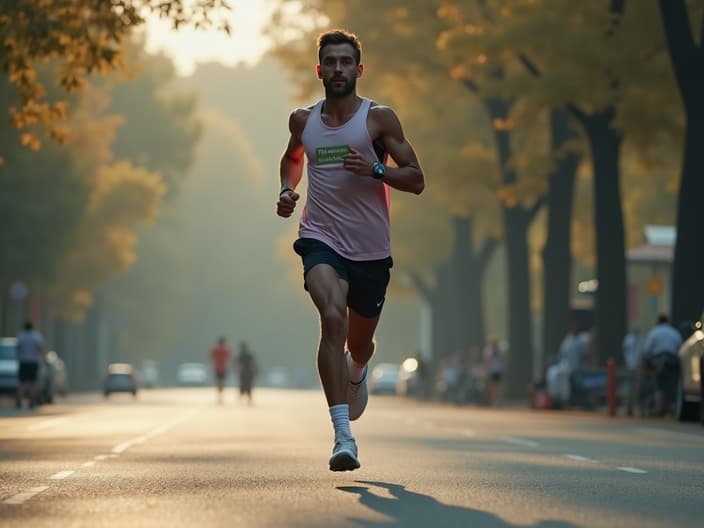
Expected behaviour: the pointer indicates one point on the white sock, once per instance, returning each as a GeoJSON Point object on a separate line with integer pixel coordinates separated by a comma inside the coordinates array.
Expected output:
{"type": "Point", "coordinates": [356, 370]}
{"type": "Point", "coordinates": [340, 415]}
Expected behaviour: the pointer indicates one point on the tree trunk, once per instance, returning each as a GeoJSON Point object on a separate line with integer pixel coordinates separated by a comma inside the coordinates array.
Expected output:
{"type": "Point", "coordinates": [516, 223]}
{"type": "Point", "coordinates": [688, 61]}
{"type": "Point", "coordinates": [610, 313]}
{"type": "Point", "coordinates": [557, 255]}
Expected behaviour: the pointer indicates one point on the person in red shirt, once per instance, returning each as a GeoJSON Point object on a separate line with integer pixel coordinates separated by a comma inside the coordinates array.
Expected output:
{"type": "Point", "coordinates": [220, 356]}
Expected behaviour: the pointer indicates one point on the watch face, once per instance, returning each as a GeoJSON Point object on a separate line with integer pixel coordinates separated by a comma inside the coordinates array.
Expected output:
{"type": "Point", "coordinates": [379, 170]}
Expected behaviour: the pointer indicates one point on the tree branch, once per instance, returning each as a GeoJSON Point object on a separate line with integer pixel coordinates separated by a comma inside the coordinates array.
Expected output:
{"type": "Point", "coordinates": [490, 244]}
{"type": "Point", "coordinates": [471, 86]}
{"type": "Point", "coordinates": [530, 65]}
{"type": "Point", "coordinates": [578, 113]}
{"type": "Point", "coordinates": [539, 203]}
{"type": "Point", "coordinates": [678, 34]}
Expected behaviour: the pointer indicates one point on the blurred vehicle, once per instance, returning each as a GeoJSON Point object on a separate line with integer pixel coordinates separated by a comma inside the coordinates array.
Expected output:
{"type": "Point", "coordinates": [192, 374]}
{"type": "Point", "coordinates": [149, 374]}
{"type": "Point", "coordinates": [52, 379]}
{"type": "Point", "coordinates": [688, 399]}
{"type": "Point", "coordinates": [408, 383]}
{"type": "Point", "coordinates": [120, 377]}
{"type": "Point", "coordinates": [9, 366]}
{"type": "Point", "coordinates": [278, 377]}
{"type": "Point", "coordinates": [383, 378]}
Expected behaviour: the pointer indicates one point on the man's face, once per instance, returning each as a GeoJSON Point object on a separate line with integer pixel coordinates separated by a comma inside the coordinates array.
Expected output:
{"type": "Point", "coordinates": [338, 69]}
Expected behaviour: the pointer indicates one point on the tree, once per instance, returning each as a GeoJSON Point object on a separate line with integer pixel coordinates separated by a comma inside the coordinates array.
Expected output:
{"type": "Point", "coordinates": [83, 37]}
{"type": "Point", "coordinates": [687, 56]}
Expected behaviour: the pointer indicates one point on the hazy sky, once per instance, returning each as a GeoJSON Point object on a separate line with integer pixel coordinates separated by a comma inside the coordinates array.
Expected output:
{"type": "Point", "coordinates": [188, 46]}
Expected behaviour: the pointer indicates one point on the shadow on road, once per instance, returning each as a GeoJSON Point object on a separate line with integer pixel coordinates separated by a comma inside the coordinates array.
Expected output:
{"type": "Point", "coordinates": [409, 510]}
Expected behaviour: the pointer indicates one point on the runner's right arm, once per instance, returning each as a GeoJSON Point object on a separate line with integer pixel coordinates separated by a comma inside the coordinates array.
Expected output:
{"type": "Point", "coordinates": [291, 168]}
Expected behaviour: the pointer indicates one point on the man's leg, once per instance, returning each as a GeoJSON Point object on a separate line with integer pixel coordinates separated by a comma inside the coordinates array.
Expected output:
{"type": "Point", "coordinates": [329, 294]}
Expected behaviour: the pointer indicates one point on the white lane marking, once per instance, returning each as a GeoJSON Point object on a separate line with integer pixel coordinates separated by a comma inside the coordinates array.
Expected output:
{"type": "Point", "coordinates": [100, 457]}
{"type": "Point", "coordinates": [25, 495]}
{"type": "Point", "coordinates": [519, 441]}
{"type": "Point", "coordinates": [468, 433]}
{"type": "Point", "coordinates": [632, 470]}
{"type": "Point", "coordinates": [46, 424]}
{"type": "Point", "coordinates": [88, 464]}
{"type": "Point", "coordinates": [61, 475]}
{"type": "Point", "coordinates": [580, 458]}
{"type": "Point", "coordinates": [124, 446]}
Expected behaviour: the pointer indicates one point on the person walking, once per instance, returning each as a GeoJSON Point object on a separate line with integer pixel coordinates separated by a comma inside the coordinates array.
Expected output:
{"type": "Point", "coordinates": [220, 356]}
{"type": "Point", "coordinates": [247, 371]}
{"type": "Point", "coordinates": [30, 351]}
{"type": "Point", "coordinates": [344, 234]}
{"type": "Point", "coordinates": [660, 358]}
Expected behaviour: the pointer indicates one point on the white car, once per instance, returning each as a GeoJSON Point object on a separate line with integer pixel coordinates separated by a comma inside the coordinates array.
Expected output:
{"type": "Point", "coordinates": [192, 374]}
{"type": "Point", "coordinates": [689, 389]}
{"type": "Point", "coordinates": [9, 366]}
{"type": "Point", "coordinates": [383, 378]}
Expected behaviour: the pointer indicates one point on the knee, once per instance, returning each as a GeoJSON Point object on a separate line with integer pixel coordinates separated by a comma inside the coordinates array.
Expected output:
{"type": "Point", "coordinates": [333, 322]}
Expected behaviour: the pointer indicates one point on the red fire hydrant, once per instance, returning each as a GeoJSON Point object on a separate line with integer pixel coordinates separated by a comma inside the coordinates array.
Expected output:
{"type": "Point", "coordinates": [611, 385]}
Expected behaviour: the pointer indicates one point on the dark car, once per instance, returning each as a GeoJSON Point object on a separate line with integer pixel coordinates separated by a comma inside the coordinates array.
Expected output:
{"type": "Point", "coordinates": [689, 392]}
{"type": "Point", "coordinates": [120, 377]}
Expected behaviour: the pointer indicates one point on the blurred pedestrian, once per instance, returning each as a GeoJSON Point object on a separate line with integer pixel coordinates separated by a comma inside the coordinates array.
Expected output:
{"type": "Point", "coordinates": [220, 356]}
{"type": "Point", "coordinates": [632, 351]}
{"type": "Point", "coordinates": [660, 359]}
{"type": "Point", "coordinates": [495, 364]}
{"type": "Point", "coordinates": [344, 236]}
{"type": "Point", "coordinates": [246, 370]}
{"type": "Point", "coordinates": [30, 351]}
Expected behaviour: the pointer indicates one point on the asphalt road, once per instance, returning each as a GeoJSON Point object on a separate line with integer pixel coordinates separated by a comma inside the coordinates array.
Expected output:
{"type": "Point", "coordinates": [174, 457]}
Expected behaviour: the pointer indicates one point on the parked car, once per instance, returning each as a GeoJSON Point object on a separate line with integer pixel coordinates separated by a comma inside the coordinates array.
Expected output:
{"type": "Point", "coordinates": [149, 374]}
{"type": "Point", "coordinates": [688, 402]}
{"type": "Point", "coordinates": [9, 367]}
{"type": "Point", "coordinates": [120, 377]}
{"type": "Point", "coordinates": [192, 374]}
{"type": "Point", "coordinates": [51, 378]}
{"type": "Point", "coordinates": [383, 378]}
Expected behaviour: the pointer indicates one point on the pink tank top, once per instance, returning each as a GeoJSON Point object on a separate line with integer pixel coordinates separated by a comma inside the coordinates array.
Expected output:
{"type": "Point", "coordinates": [349, 213]}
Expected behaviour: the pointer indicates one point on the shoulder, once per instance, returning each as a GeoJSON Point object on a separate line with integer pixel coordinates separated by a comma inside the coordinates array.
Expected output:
{"type": "Point", "coordinates": [381, 113]}
{"type": "Point", "coordinates": [298, 119]}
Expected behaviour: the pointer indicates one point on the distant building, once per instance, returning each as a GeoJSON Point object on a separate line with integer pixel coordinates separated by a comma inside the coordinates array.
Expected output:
{"type": "Point", "coordinates": [649, 270]}
{"type": "Point", "coordinates": [650, 275]}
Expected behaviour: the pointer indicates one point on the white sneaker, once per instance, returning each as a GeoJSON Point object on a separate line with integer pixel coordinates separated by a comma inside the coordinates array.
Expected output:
{"type": "Point", "coordinates": [357, 394]}
{"type": "Point", "coordinates": [344, 454]}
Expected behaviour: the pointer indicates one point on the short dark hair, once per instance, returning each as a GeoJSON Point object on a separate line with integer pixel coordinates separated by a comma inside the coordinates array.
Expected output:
{"type": "Point", "coordinates": [339, 36]}
{"type": "Point", "coordinates": [29, 325]}
{"type": "Point", "coordinates": [662, 319]}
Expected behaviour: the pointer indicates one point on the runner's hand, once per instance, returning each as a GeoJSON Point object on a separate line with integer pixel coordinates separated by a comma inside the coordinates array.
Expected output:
{"type": "Point", "coordinates": [355, 162]}
{"type": "Point", "coordinates": [287, 203]}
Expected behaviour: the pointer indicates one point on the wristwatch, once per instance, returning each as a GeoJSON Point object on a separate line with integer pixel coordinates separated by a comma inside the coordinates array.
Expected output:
{"type": "Point", "coordinates": [378, 170]}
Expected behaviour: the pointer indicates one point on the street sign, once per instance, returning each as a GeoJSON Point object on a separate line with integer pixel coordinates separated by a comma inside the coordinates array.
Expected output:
{"type": "Point", "coordinates": [655, 286]}
{"type": "Point", "coordinates": [18, 291]}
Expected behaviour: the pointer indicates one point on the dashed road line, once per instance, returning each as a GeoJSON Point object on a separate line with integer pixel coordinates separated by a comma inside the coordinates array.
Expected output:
{"type": "Point", "coordinates": [20, 498]}
{"type": "Point", "coordinates": [519, 441]}
{"type": "Point", "coordinates": [636, 471]}
{"type": "Point", "coordinates": [61, 475]}
{"type": "Point", "coordinates": [100, 457]}
{"type": "Point", "coordinates": [46, 424]}
{"type": "Point", "coordinates": [88, 464]}
{"type": "Point", "coordinates": [580, 458]}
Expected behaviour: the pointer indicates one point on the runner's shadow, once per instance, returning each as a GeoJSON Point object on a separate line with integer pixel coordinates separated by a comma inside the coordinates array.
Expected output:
{"type": "Point", "coordinates": [408, 509]}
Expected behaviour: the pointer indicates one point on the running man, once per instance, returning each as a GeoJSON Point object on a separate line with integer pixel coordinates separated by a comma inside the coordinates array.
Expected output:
{"type": "Point", "coordinates": [344, 235]}
{"type": "Point", "coordinates": [220, 355]}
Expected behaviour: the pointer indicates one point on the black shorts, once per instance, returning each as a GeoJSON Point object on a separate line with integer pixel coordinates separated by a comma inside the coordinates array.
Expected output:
{"type": "Point", "coordinates": [28, 372]}
{"type": "Point", "coordinates": [367, 279]}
